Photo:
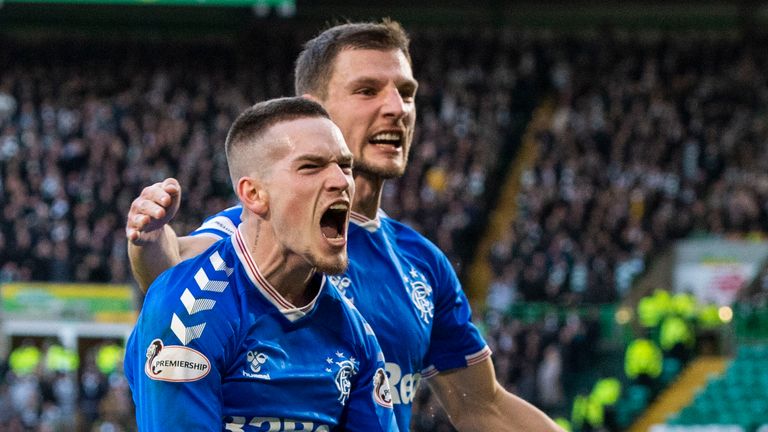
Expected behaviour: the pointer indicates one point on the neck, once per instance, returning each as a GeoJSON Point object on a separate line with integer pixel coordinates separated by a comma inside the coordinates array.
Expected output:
{"type": "Point", "coordinates": [289, 274]}
{"type": "Point", "coordinates": [367, 199]}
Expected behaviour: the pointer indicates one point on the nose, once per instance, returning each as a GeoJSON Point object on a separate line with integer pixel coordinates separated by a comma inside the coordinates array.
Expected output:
{"type": "Point", "coordinates": [394, 105]}
{"type": "Point", "coordinates": [338, 180]}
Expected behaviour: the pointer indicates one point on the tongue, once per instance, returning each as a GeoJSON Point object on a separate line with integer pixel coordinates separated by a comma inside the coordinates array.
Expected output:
{"type": "Point", "coordinates": [329, 231]}
{"type": "Point", "coordinates": [328, 228]}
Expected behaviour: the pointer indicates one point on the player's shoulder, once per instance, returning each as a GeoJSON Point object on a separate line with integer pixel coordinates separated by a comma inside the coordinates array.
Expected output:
{"type": "Point", "coordinates": [196, 287]}
{"type": "Point", "coordinates": [408, 239]}
{"type": "Point", "coordinates": [233, 212]}
{"type": "Point", "coordinates": [195, 309]}
{"type": "Point", "coordinates": [221, 224]}
{"type": "Point", "coordinates": [190, 319]}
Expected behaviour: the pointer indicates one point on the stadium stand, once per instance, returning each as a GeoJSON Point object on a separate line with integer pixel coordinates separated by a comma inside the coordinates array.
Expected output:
{"type": "Point", "coordinates": [653, 139]}
{"type": "Point", "coordinates": [734, 401]}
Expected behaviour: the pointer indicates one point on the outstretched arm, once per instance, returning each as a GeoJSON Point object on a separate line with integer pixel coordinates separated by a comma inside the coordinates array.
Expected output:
{"type": "Point", "coordinates": [153, 246]}
{"type": "Point", "coordinates": [475, 401]}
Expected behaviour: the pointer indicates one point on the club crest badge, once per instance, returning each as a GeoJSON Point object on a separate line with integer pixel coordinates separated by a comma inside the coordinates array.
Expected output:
{"type": "Point", "coordinates": [343, 369]}
{"type": "Point", "coordinates": [421, 295]}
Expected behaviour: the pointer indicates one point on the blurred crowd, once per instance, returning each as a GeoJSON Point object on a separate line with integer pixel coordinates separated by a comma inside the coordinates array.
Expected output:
{"type": "Point", "coordinates": [653, 138]}
{"type": "Point", "coordinates": [476, 94]}
{"type": "Point", "coordinates": [47, 388]}
{"type": "Point", "coordinates": [84, 126]}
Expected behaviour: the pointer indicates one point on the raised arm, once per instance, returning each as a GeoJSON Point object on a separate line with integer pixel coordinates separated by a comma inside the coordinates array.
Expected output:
{"type": "Point", "coordinates": [475, 401]}
{"type": "Point", "coordinates": [153, 246]}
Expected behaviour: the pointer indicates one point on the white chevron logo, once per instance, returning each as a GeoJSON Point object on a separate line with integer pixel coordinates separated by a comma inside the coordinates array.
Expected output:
{"type": "Point", "coordinates": [194, 305]}
{"type": "Point", "coordinates": [206, 284]}
{"type": "Point", "coordinates": [219, 264]}
{"type": "Point", "coordinates": [184, 333]}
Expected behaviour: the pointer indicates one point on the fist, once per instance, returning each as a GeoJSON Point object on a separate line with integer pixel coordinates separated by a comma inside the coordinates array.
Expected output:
{"type": "Point", "coordinates": [152, 210]}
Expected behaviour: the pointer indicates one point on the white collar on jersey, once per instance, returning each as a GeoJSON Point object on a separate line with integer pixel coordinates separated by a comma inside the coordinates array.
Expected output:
{"type": "Point", "coordinates": [370, 225]}
{"type": "Point", "coordinates": [269, 292]}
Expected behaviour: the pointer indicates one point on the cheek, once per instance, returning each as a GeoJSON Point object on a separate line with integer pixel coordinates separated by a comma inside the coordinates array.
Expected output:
{"type": "Point", "coordinates": [298, 211]}
{"type": "Point", "coordinates": [290, 210]}
{"type": "Point", "coordinates": [356, 132]}
{"type": "Point", "coordinates": [412, 120]}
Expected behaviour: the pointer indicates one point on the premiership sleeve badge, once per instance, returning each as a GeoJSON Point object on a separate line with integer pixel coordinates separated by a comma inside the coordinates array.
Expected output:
{"type": "Point", "coordinates": [381, 391]}
{"type": "Point", "coordinates": [175, 363]}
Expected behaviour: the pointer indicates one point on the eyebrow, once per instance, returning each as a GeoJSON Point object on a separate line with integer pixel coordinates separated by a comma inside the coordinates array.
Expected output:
{"type": "Point", "coordinates": [322, 160]}
{"type": "Point", "coordinates": [366, 81]}
{"type": "Point", "coordinates": [407, 83]}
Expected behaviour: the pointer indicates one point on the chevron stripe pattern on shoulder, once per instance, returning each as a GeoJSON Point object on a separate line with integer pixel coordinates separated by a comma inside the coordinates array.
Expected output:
{"type": "Point", "coordinates": [216, 283]}
{"type": "Point", "coordinates": [194, 305]}
{"type": "Point", "coordinates": [219, 264]}
{"type": "Point", "coordinates": [184, 333]}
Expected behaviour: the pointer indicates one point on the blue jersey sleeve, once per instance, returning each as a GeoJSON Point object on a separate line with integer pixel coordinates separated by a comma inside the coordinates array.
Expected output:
{"type": "Point", "coordinates": [455, 341]}
{"type": "Point", "coordinates": [370, 402]}
{"type": "Point", "coordinates": [221, 225]}
{"type": "Point", "coordinates": [175, 356]}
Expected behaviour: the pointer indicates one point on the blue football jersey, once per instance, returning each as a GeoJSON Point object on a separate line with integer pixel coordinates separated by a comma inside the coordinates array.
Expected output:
{"type": "Point", "coordinates": [407, 290]}
{"type": "Point", "coordinates": [217, 348]}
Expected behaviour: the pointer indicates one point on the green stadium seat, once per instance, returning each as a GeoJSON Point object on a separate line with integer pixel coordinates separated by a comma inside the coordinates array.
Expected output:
{"type": "Point", "coordinates": [670, 369]}
{"type": "Point", "coordinates": [737, 400]}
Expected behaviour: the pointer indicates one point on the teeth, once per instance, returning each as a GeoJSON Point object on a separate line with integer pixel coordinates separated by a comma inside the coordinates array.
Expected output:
{"type": "Point", "coordinates": [386, 136]}
{"type": "Point", "coordinates": [339, 207]}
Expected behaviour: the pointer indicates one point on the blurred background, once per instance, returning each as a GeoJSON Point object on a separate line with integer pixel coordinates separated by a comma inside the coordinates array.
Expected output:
{"type": "Point", "coordinates": [597, 173]}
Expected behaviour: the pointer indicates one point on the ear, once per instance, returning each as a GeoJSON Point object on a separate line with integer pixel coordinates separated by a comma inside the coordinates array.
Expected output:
{"type": "Point", "coordinates": [253, 195]}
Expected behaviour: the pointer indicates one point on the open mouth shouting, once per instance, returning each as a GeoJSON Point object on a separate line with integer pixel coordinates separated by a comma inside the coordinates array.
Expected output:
{"type": "Point", "coordinates": [333, 223]}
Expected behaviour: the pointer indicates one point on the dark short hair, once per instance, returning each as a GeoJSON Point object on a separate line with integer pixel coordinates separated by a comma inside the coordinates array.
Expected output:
{"type": "Point", "coordinates": [256, 120]}
{"type": "Point", "coordinates": [315, 62]}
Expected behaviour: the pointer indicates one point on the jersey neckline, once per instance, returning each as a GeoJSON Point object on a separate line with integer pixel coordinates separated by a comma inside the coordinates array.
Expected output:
{"type": "Point", "coordinates": [291, 312]}
{"type": "Point", "coordinates": [370, 225]}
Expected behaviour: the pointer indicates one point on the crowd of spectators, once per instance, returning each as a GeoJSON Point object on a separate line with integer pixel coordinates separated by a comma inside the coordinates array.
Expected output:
{"type": "Point", "coordinates": [84, 126]}
{"type": "Point", "coordinates": [653, 138]}
{"type": "Point", "coordinates": [86, 393]}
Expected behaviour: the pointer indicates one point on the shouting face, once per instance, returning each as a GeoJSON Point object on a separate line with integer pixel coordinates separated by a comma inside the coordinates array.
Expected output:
{"type": "Point", "coordinates": [371, 97]}
{"type": "Point", "coordinates": [309, 188]}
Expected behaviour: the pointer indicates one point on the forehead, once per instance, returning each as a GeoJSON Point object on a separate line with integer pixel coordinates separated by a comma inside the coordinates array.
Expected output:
{"type": "Point", "coordinates": [301, 137]}
{"type": "Point", "coordinates": [353, 63]}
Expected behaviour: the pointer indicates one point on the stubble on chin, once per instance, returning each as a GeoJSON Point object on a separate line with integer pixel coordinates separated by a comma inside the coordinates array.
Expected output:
{"type": "Point", "coordinates": [334, 267]}
{"type": "Point", "coordinates": [362, 167]}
